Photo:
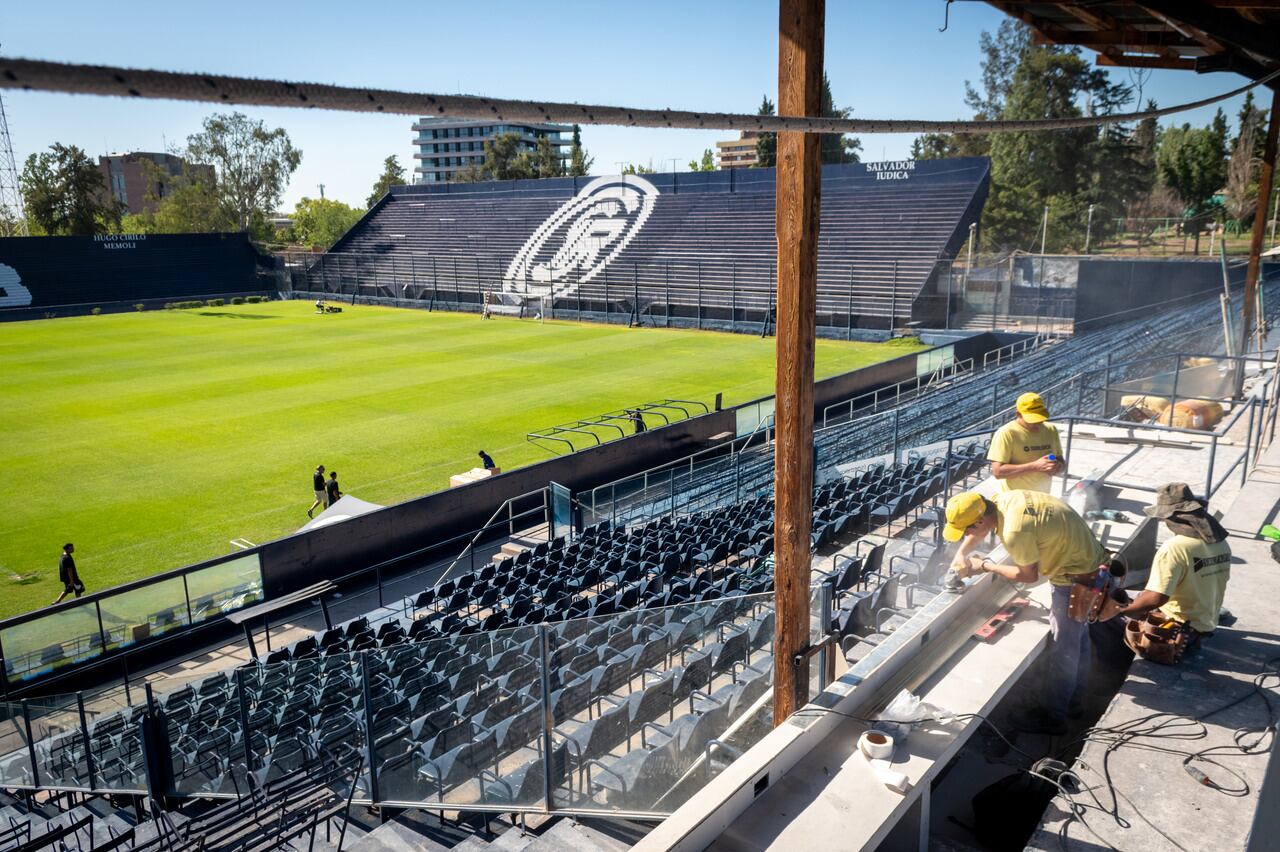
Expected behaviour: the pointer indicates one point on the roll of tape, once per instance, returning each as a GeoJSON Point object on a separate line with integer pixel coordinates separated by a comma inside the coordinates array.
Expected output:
{"type": "Point", "coordinates": [876, 745]}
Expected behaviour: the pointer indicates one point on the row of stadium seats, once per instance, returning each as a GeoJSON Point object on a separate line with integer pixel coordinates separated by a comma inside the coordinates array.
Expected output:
{"type": "Point", "coordinates": [440, 684]}
{"type": "Point", "coordinates": [878, 246]}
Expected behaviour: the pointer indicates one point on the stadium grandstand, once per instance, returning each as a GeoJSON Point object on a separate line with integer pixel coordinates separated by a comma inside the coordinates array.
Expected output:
{"type": "Point", "coordinates": [743, 629]}
{"type": "Point", "coordinates": [682, 248]}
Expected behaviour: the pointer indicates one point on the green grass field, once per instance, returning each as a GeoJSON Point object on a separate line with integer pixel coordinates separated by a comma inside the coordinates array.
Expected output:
{"type": "Point", "coordinates": [152, 439]}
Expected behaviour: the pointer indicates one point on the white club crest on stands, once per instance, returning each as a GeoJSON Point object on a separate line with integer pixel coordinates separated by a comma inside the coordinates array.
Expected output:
{"type": "Point", "coordinates": [582, 237]}
{"type": "Point", "coordinates": [12, 293]}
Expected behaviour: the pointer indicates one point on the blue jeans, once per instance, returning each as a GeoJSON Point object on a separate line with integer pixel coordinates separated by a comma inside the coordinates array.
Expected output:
{"type": "Point", "coordinates": [1070, 655]}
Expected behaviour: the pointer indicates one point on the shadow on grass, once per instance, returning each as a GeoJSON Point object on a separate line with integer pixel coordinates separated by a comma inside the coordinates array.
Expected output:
{"type": "Point", "coordinates": [231, 315]}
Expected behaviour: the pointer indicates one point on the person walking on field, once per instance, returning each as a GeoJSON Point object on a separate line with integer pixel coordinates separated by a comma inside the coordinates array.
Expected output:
{"type": "Point", "coordinates": [331, 489]}
{"type": "Point", "coordinates": [68, 575]}
{"type": "Point", "coordinates": [318, 489]}
{"type": "Point", "coordinates": [1026, 453]}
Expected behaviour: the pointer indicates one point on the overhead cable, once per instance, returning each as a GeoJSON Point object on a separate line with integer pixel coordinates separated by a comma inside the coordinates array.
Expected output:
{"type": "Point", "coordinates": [40, 75]}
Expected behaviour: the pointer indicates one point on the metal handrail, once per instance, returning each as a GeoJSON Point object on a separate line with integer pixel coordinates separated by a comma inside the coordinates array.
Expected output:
{"type": "Point", "coordinates": [943, 373]}
{"type": "Point", "coordinates": [506, 504]}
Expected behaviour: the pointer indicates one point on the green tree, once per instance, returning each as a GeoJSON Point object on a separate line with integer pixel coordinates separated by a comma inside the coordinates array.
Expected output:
{"type": "Point", "coordinates": [253, 166]}
{"type": "Point", "coordinates": [766, 142]}
{"type": "Point", "coordinates": [503, 160]}
{"type": "Point", "coordinates": [706, 164]}
{"type": "Point", "coordinates": [392, 175]}
{"type": "Point", "coordinates": [321, 221]}
{"type": "Point", "coordinates": [1065, 170]}
{"type": "Point", "coordinates": [1192, 162]}
{"type": "Point", "coordinates": [633, 169]}
{"type": "Point", "coordinates": [190, 204]}
{"type": "Point", "coordinates": [1252, 120]}
{"type": "Point", "coordinates": [1002, 53]}
{"type": "Point", "coordinates": [836, 148]}
{"type": "Point", "coordinates": [579, 162]}
{"type": "Point", "coordinates": [64, 193]}
{"type": "Point", "coordinates": [546, 159]}
{"type": "Point", "coordinates": [934, 146]}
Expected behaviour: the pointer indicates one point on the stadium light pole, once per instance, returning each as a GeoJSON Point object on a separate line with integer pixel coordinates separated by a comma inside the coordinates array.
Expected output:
{"type": "Point", "coordinates": [1266, 178]}
{"type": "Point", "coordinates": [800, 42]}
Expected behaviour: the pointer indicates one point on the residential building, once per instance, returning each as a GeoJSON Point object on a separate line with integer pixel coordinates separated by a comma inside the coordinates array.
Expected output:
{"type": "Point", "coordinates": [446, 146]}
{"type": "Point", "coordinates": [135, 186]}
{"type": "Point", "coordinates": [737, 153]}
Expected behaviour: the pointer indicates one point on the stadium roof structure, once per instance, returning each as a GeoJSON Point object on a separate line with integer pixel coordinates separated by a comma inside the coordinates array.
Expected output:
{"type": "Point", "coordinates": [1193, 35]}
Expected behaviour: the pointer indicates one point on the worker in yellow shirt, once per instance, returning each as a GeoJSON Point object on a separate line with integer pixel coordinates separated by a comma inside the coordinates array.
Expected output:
{"type": "Point", "coordinates": [1044, 538]}
{"type": "Point", "coordinates": [1189, 572]}
{"type": "Point", "coordinates": [1026, 453]}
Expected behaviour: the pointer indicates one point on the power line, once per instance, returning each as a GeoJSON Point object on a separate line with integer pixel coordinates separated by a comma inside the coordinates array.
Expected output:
{"type": "Point", "coordinates": [39, 75]}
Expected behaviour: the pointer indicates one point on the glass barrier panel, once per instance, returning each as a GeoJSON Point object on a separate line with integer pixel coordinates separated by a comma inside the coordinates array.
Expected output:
{"type": "Point", "coordinates": [139, 614]}
{"type": "Point", "coordinates": [50, 642]}
{"type": "Point", "coordinates": [15, 757]}
{"type": "Point", "coordinates": [202, 717]}
{"type": "Point", "coordinates": [59, 742]}
{"type": "Point", "coordinates": [115, 740]}
{"type": "Point", "coordinates": [637, 698]}
{"type": "Point", "coordinates": [224, 587]}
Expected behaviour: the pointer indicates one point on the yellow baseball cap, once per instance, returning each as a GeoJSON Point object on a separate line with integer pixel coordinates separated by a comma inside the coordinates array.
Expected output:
{"type": "Point", "coordinates": [1032, 408]}
{"type": "Point", "coordinates": [963, 510]}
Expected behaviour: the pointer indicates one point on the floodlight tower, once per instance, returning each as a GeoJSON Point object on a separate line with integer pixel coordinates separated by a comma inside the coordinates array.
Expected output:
{"type": "Point", "coordinates": [10, 193]}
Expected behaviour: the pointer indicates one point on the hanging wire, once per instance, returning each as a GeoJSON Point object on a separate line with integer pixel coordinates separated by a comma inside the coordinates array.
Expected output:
{"type": "Point", "coordinates": [39, 75]}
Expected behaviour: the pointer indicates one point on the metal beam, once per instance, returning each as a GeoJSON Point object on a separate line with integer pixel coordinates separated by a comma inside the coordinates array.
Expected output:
{"type": "Point", "coordinates": [1265, 178]}
{"type": "Point", "coordinates": [800, 43]}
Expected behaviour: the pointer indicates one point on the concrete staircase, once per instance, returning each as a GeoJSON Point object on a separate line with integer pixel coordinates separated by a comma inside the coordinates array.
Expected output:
{"type": "Point", "coordinates": [418, 830]}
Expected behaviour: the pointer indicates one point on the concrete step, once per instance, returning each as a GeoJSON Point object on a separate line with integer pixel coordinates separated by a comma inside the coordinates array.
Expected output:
{"type": "Point", "coordinates": [568, 835]}
{"type": "Point", "coordinates": [394, 836]}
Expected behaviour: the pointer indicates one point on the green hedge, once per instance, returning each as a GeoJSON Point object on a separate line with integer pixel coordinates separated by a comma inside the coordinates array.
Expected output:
{"type": "Point", "coordinates": [215, 303]}
{"type": "Point", "coordinates": [237, 300]}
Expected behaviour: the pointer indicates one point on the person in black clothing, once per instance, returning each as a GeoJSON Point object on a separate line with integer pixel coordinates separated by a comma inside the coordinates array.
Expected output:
{"type": "Point", "coordinates": [317, 489]}
{"type": "Point", "coordinates": [486, 460]}
{"type": "Point", "coordinates": [68, 575]}
{"type": "Point", "coordinates": [331, 489]}
{"type": "Point", "coordinates": [638, 421]}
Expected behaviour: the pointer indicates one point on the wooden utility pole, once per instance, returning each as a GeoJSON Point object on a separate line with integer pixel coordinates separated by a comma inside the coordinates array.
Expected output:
{"type": "Point", "coordinates": [799, 175]}
{"type": "Point", "coordinates": [1265, 179]}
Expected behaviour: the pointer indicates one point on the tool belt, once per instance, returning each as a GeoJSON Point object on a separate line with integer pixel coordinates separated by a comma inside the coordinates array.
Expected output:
{"type": "Point", "coordinates": [1088, 595]}
{"type": "Point", "coordinates": [1159, 638]}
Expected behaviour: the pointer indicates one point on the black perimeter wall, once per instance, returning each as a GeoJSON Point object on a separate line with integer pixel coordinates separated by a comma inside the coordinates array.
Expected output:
{"type": "Point", "coordinates": [66, 272]}
{"type": "Point", "coordinates": [1111, 290]}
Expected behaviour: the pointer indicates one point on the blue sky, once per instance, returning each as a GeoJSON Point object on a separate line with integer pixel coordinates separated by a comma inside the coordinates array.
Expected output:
{"type": "Point", "coordinates": [885, 60]}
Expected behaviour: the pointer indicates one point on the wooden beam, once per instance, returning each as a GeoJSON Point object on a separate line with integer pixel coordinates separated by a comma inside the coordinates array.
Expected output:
{"type": "Point", "coordinates": [1265, 178]}
{"type": "Point", "coordinates": [1117, 38]}
{"type": "Point", "coordinates": [1221, 25]}
{"type": "Point", "coordinates": [1136, 61]}
{"type": "Point", "coordinates": [801, 25]}
{"type": "Point", "coordinates": [1245, 4]}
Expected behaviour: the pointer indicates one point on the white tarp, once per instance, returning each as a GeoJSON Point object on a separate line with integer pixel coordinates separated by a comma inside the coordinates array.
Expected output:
{"type": "Point", "coordinates": [346, 507]}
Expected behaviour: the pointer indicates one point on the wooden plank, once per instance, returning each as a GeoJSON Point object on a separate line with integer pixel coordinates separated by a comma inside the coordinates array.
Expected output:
{"type": "Point", "coordinates": [1135, 61]}
{"type": "Point", "coordinates": [799, 174]}
{"type": "Point", "coordinates": [1265, 179]}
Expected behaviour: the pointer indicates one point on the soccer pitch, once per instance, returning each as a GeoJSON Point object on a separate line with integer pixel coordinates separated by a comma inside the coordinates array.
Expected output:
{"type": "Point", "coordinates": [152, 439]}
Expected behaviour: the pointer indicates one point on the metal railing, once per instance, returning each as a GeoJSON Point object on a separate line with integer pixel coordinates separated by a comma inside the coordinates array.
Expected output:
{"type": "Point", "coordinates": [716, 293]}
{"type": "Point", "coordinates": [892, 395]}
